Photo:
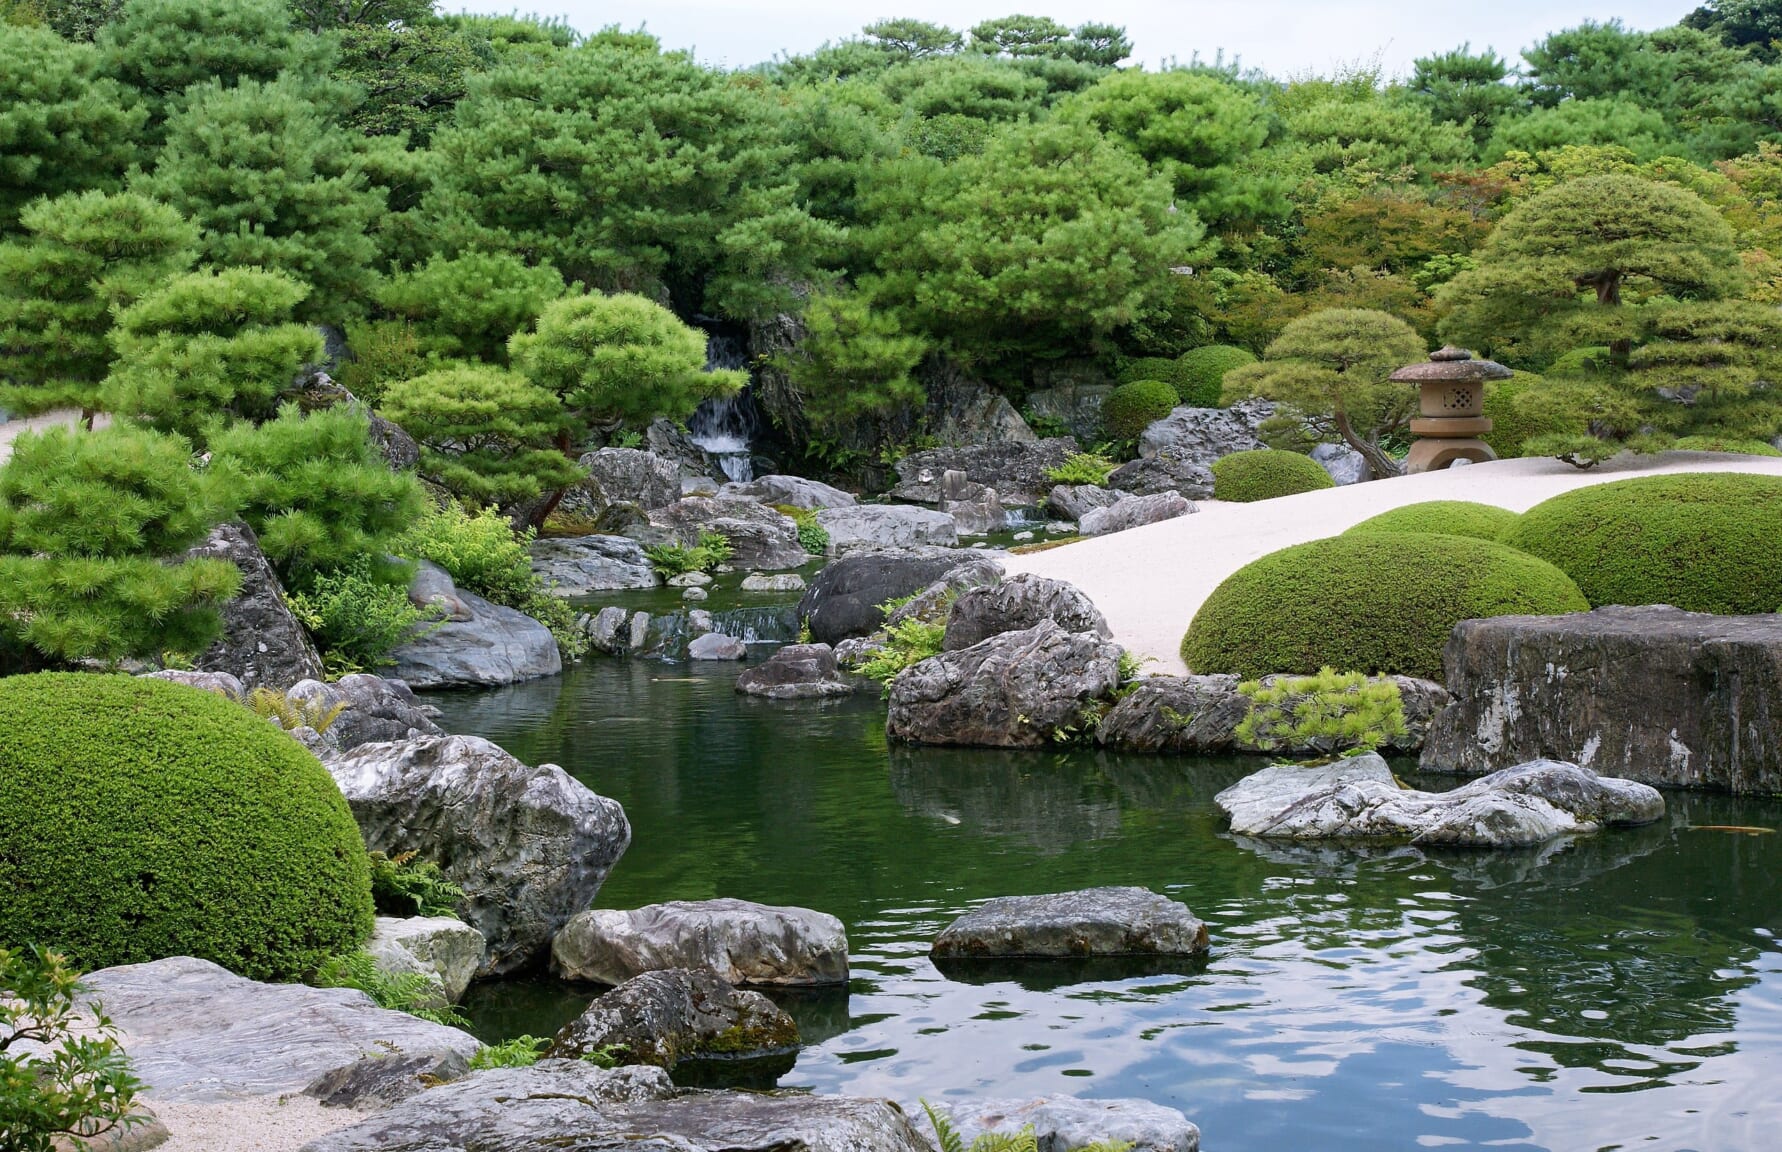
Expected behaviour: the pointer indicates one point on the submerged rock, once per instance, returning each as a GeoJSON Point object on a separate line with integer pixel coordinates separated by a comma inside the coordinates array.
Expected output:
{"type": "Point", "coordinates": [743, 942]}
{"type": "Point", "coordinates": [1066, 1123]}
{"type": "Point", "coordinates": [796, 672]}
{"type": "Point", "coordinates": [886, 526]}
{"type": "Point", "coordinates": [676, 1014]}
{"type": "Point", "coordinates": [1093, 922]}
{"type": "Point", "coordinates": [1016, 604]}
{"type": "Point", "coordinates": [262, 645]}
{"type": "Point", "coordinates": [576, 566]}
{"type": "Point", "coordinates": [1134, 512]}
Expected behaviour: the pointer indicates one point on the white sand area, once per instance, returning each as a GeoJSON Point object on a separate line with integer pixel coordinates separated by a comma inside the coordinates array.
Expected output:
{"type": "Point", "coordinates": [1150, 581]}
{"type": "Point", "coordinates": [68, 417]}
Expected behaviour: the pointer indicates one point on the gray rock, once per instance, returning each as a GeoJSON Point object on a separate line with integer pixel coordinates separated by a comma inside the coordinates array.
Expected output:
{"type": "Point", "coordinates": [796, 672]}
{"type": "Point", "coordinates": [1345, 464]}
{"type": "Point", "coordinates": [1203, 435]}
{"type": "Point", "coordinates": [1093, 922]}
{"type": "Point", "coordinates": [670, 441]}
{"type": "Point", "coordinates": [1066, 1123]}
{"type": "Point", "coordinates": [1134, 512]}
{"type": "Point", "coordinates": [577, 566]}
{"type": "Point", "coordinates": [1357, 799]}
{"type": "Point", "coordinates": [1076, 406]}
{"type": "Point", "coordinates": [1019, 603]}
{"type": "Point", "coordinates": [1061, 528]}
{"type": "Point", "coordinates": [699, 486]}
{"type": "Point", "coordinates": [630, 476]}
{"type": "Point", "coordinates": [843, 599]}
{"type": "Point", "coordinates": [690, 580]}
{"type": "Point", "coordinates": [699, 622]}
{"type": "Point", "coordinates": [759, 537]}
{"type": "Point", "coordinates": [443, 947]}
{"type": "Point", "coordinates": [1013, 690]}
{"type": "Point", "coordinates": [743, 942]}
{"type": "Point", "coordinates": [1022, 536]}
{"type": "Point", "coordinates": [1199, 716]}
{"type": "Point", "coordinates": [529, 846]}
{"type": "Point", "coordinates": [1071, 501]}
{"type": "Point", "coordinates": [220, 683]}
{"type": "Point", "coordinates": [496, 645]}
{"type": "Point", "coordinates": [694, 595]}
{"type": "Point", "coordinates": [640, 631]}
{"type": "Point", "coordinates": [197, 1032]}
{"type": "Point", "coordinates": [979, 515]}
{"type": "Point", "coordinates": [716, 646]}
{"type": "Point", "coordinates": [780, 582]}
{"type": "Point", "coordinates": [1019, 470]}
{"type": "Point", "coordinates": [661, 1018]}
{"type": "Point", "coordinates": [609, 630]}
{"type": "Point", "coordinates": [1653, 694]}
{"type": "Point", "coordinates": [933, 603]}
{"type": "Point", "coordinates": [434, 593]}
{"type": "Point", "coordinates": [262, 644]}
{"type": "Point", "coordinates": [793, 491]}
{"type": "Point", "coordinates": [880, 526]}
{"type": "Point", "coordinates": [1168, 471]}
{"type": "Point", "coordinates": [372, 709]}
{"type": "Point", "coordinates": [382, 1080]}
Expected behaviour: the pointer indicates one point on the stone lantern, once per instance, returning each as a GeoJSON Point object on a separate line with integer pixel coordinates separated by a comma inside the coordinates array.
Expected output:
{"type": "Point", "coordinates": [1451, 409]}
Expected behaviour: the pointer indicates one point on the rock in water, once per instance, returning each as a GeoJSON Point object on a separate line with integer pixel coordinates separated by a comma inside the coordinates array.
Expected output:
{"type": "Point", "coordinates": [1019, 603]}
{"type": "Point", "coordinates": [662, 1018]}
{"type": "Point", "coordinates": [742, 942]}
{"type": "Point", "coordinates": [758, 536]}
{"type": "Point", "coordinates": [584, 564]}
{"type": "Point", "coordinates": [442, 947]}
{"type": "Point", "coordinates": [843, 599]}
{"type": "Point", "coordinates": [791, 491]}
{"type": "Point", "coordinates": [1358, 799]}
{"type": "Point", "coordinates": [1093, 922]}
{"type": "Point", "coordinates": [781, 582]}
{"type": "Point", "coordinates": [886, 526]}
{"type": "Point", "coordinates": [1199, 716]}
{"type": "Point", "coordinates": [496, 645]}
{"type": "Point", "coordinates": [529, 846]}
{"type": "Point", "coordinates": [1066, 1123]}
{"type": "Point", "coordinates": [262, 644]}
{"type": "Point", "coordinates": [716, 646]}
{"type": "Point", "coordinates": [1134, 512]}
{"type": "Point", "coordinates": [796, 672]}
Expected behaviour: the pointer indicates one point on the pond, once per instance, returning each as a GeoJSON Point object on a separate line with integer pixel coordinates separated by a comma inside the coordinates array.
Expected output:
{"type": "Point", "coordinates": [1622, 991]}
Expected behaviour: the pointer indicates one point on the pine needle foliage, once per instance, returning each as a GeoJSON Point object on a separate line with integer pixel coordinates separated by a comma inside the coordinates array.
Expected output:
{"type": "Point", "coordinates": [1334, 712]}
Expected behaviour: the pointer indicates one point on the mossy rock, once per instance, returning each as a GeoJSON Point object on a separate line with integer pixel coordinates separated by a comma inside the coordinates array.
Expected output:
{"type": "Point", "coordinates": [1265, 473]}
{"type": "Point", "coordinates": [1131, 408]}
{"type": "Point", "coordinates": [1200, 372]}
{"type": "Point", "coordinates": [1445, 518]}
{"type": "Point", "coordinates": [1705, 542]}
{"type": "Point", "coordinates": [1374, 602]}
{"type": "Point", "coordinates": [141, 819]}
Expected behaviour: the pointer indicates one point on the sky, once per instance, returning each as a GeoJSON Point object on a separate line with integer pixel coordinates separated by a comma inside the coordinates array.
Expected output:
{"type": "Point", "coordinates": [1282, 37]}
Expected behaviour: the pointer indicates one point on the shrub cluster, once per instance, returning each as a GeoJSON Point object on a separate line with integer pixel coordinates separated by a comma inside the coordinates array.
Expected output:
{"type": "Point", "coordinates": [1129, 409]}
{"type": "Point", "coordinates": [1444, 518]}
{"type": "Point", "coordinates": [1265, 473]}
{"type": "Point", "coordinates": [1200, 373]}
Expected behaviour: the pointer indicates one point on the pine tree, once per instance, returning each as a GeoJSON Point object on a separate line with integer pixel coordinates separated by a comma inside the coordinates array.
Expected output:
{"type": "Point", "coordinates": [469, 305]}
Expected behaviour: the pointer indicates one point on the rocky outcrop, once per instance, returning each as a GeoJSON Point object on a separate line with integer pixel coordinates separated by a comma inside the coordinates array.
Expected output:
{"type": "Point", "coordinates": [433, 591]}
{"type": "Point", "coordinates": [1094, 922]}
{"type": "Point", "coordinates": [716, 646]}
{"type": "Point", "coordinates": [1016, 604]}
{"type": "Point", "coordinates": [933, 603]}
{"type": "Point", "coordinates": [843, 599]}
{"type": "Point", "coordinates": [882, 526]}
{"type": "Point", "coordinates": [796, 672]}
{"type": "Point", "coordinates": [382, 1080]}
{"type": "Point", "coordinates": [262, 644]}
{"type": "Point", "coordinates": [1344, 464]}
{"type": "Point", "coordinates": [1203, 435]}
{"type": "Point", "coordinates": [372, 709]}
{"type": "Point", "coordinates": [1199, 716]}
{"type": "Point", "coordinates": [1358, 799]}
{"type": "Point", "coordinates": [662, 1018]}
{"type": "Point", "coordinates": [578, 566]}
{"type": "Point", "coordinates": [495, 645]}
{"type": "Point", "coordinates": [759, 537]}
{"type": "Point", "coordinates": [1013, 690]}
{"type": "Point", "coordinates": [669, 440]}
{"type": "Point", "coordinates": [529, 846]}
{"type": "Point", "coordinates": [199, 1033]}
{"type": "Point", "coordinates": [1171, 470]}
{"type": "Point", "coordinates": [1071, 501]}
{"type": "Point", "coordinates": [1019, 471]}
{"type": "Point", "coordinates": [792, 491]}
{"type": "Point", "coordinates": [1066, 1123]}
{"type": "Point", "coordinates": [743, 942]}
{"type": "Point", "coordinates": [1654, 694]}
{"type": "Point", "coordinates": [1134, 512]}
{"type": "Point", "coordinates": [442, 948]}
{"type": "Point", "coordinates": [626, 476]}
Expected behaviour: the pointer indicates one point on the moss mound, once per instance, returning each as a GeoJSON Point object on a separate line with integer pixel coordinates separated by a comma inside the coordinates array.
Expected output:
{"type": "Point", "coordinates": [1265, 473]}
{"type": "Point", "coordinates": [1130, 408]}
{"type": "Point", "coordinates": [1200, 372]}
{"type": "Point", "coordinates": [1701, 541]}
{"type": "Point", "coordinates": [1724, 444]}
{"type": "Point", "coordinates": [1518, 416]}
{"type": "Point", "coordinates": [1376, 602]}
{"type": "Point", "coordinates": [1444, 518]}
{"type": "Point", "coordinates": [141, 819]}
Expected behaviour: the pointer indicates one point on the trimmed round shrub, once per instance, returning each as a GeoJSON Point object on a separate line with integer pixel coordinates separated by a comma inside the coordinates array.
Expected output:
{"type": "Point", "coordinates": [1131, 408]}
{"type": "Point", "coordinates": [1514, 423]}
{"type": "Point", "coordinates": [1375, 602]}
{"type": "Point", "coordinates": [1581, 362]}
{"type": "Point", "coordinates": [1445, 518]}
{"type": "Point", "coordinates": [1724, 444]}
{"type": "Point", "coordinates": [141, 819]}
{"type": "Point", "coordinates": [1200, 372]}
{"type": "Point", "coordinates": [1265, 473]}
{"type": "Point", "coordinates": [1706, 542]}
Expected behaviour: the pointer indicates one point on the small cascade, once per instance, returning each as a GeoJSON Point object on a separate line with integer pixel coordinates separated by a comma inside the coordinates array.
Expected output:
{"type": "Point", "coordinates": [724, 425]}
{"type": "Point", "coordinates": [668, 634]}
{"type": "Point", "coordinates": [1015, 519]}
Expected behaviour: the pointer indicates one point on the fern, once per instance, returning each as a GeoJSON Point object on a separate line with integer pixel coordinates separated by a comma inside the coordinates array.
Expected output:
{"type": "Point", "coordinates": [404, 885]}
{"type": "Point", "coordinates": [1026, 1140]}
{"type": "Point", "coordinates": [410, 992]}
{"type": "Point", "coordinates": [520, 1052]}
{"type": "Point", "coordinates": [289, 714]}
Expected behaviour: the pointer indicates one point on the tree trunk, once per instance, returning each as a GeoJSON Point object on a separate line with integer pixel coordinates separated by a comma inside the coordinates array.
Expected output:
{"type": "Point", "coordinates": [556, 498]}
{"type": "Point", "coordinates": [1383, 465]}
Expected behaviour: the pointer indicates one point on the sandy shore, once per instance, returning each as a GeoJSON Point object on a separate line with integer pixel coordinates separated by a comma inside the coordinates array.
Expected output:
{"type": "Point", "coordinates": [262, 1124]}
{"type": "Point", "coordinates": [1150, 581]}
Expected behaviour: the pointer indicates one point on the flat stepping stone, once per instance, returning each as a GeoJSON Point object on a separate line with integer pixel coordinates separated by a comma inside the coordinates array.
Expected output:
{"type": "Point", "coordinates": [1093, 922]}
{"type": "Point", "coordinates": [743, 942]}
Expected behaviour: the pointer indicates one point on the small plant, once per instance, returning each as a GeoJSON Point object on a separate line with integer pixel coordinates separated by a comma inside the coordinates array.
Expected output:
{"type": "Point", "coordinates": [406, 885]}
{"type": "Point", "coordinates": [411, 992]}
{"type": "Point", "coordinates": [521, 1052]}
{"type": "Point", "coordinates": [1130, 665]}
{"type": "Point", "coordinates": [671, 560]}
{"type": "Point", "coordinates": [1332, 712]}
{"type": "Point", "coordinates": [605, 1056]}
{"type": "Point", "coordinates": [289, 714]}
{"type": "Point", "coordinates": [812, 536]}
{"type": "Point", "coordinates": [62, 1071]}
{"type": "Point", "coordinates": [906, 642]}
{"type": "Point", "coordinates": [358, 618]}
{"type": "Point", "coordinates": [1023, 1141]}
{"type": "Point", "coordinates": [1082, 468]}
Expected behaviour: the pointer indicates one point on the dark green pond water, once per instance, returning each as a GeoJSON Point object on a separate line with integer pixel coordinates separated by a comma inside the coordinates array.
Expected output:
{"type": "Point", "coordinates": [1624, 991]}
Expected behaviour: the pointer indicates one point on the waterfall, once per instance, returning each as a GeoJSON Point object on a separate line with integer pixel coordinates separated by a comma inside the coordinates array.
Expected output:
{"type": "Point", "coordinates": [769, 624]}
{"type": "Point", "coordinates": [724, 425]}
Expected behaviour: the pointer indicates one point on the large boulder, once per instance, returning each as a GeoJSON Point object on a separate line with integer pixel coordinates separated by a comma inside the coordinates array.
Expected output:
{"type": "Point", "coordinates": [843, 599]}
{"type": "Point", "coordinates": [669, 440]}
{"type": "Point", "coordinates": [1093, 922]}
{"type": "Point", "coordinates": [1203, 435]}
{"type": "Point", "coordinates": [935, 601]}
{"type": "Point", "coordinates": [1020, 471]}
{"type": "Point", "coordinates": [1171, 470]}
{"type": "Point", "coordinates": [676, 1014]}
{"type": "Point", "coordinates": [1017, 604]}
{"type": "Point", "coordinates": [434, 592]}
{"type": "Point", "coordinates": [197, 1032]}
{"type": "Point", "coordinates": [1134, 512]}
{"type": "Point", "coordinates": [759, 537]}
{"type": "Point", "coordinates": [262, 644]}
{"type": "Point", "coordinates": [1066, 1123]}
{"type": "Point", "coordinates": [1199, 716]}
{"type": "Point", "coordinates": [1654, 694]}
{"type": "Point", "coordinates": [1345, 465]}
{"type": "Point", "coordinates": [1358, 800]}
{"type": "Point", "coordinates": [371, 709]}
{"type": "Point", "coordinates": [796, 672]}
{"type": "Point", "coordinates": [496, 645]}
{"type": "Point", "coordinates": [627, 476]}
{"type": "Point", "coordinates": [743, 942]}
{"type": "Point", "coordinates": [880, 526]}
{"type": "Point", "coordinates": [578, 566]}
{"type": "Point", "coordinates": [716, 646]}
{"type": "Point", "coordinates": [1013, 690]}
{"type": "Point", "coordinates": [529, 846]}
{"type": "Point", "coordinates": [1071, 501]}
{"type": "Point", "coordinates": [790, 491]}
{"type": "Point", "coordinates": [442, 948]}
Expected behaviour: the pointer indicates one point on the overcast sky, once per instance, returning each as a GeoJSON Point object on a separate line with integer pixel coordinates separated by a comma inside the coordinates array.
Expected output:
{"type": "Point", "coordinates": [1280, 36]}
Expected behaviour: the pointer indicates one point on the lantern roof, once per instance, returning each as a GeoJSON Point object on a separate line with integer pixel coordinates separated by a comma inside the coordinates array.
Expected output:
{"type": "Point", "coordinates": [1451, 365]}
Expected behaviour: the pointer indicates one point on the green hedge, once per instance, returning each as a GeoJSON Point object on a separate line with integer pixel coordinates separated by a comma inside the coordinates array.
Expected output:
{"type": "Point", "coordinates": [1131, 408]}
{"type": "Point", "coordinates": [141, 819]}
{"type": "Point", "coordinates": [1376, 602]}
{"type": "Point", "coordinates": [1707, 542]}
{"type": "Point", "coordinates": [1200, 372]}
{"type": "Point", "coordinates": [1515, 422]}
{"type": "Point", "coordinates": [1445, 518]}
{"type": "Point", "coordinates": [1265, 473]}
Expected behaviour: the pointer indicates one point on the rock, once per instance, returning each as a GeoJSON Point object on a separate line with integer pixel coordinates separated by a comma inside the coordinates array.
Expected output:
{"type": "Point", "coordinates": [979, 516]}
{"type": "Point", "coordinates": [1203, 435]}
{"type": "Point", "coordinates": [843, 599]}
{"type": "Point", "coordinates": [577, 566]}
{"type": "Point", "coordinates": [221, 683]}
{"type": "Point", "coordinates": [1013, 690]}
{"type": "Point", "coordinates": [1021, 537]}
{"type": "Point", "coordinates": [694, 594]}
{"type": "Point", "coordinates": [781, 582]}
{"type": "Point", "coordinates": [448, 948]}
{"type": "Point", "coordinates": [609, 631]}
{"type": "Point", "coordinates": [886, 526]}
{"type": "Point", "coordinates": [796, 672]}
{"type": "Point", "coordinates": [669, 440]}
{"type": "Point", "coordinates": [199, 1033]}
{"type": "Point", "coordinates": [496, 645]}
{"type": "Point", "coordinates": [262, 644]}
{"type": "Point", "coordinates": [792, 491]}
{"type": "Point", "coordinates": [1071, 501]}
{"type": "Point", "coordinates": [627, 476]}
{"type": "Point", "coordinates": [699, 622]}
{"type": "Point", "coordinates": [759, 537]}
{"type": "Point", "coordinates": [1066, 1123]}
{"type": "Point", "coordinates": [1653, 694]}
{"type": "Point", "coordinates": [699, 486]}
{"type": "Point", "coordinates": [433, 591]}
{"type": "Point", "coordinates": [661, 1018]}
{"type": "Point", "coordinates": [716, 646]}
{"type": "Point", "coordinates": [1077, 406]}
{"type": "Point", "coordinates": [570, 1104]}
{"type": "Point", "coordinates": [1134, 512]}
{"type": "Point", "coordinates": [690, 580]}
{"type": "Point", "coordinates": [1016, 604]}
{"type": "Point", "coordinates": [991, 419]}
{"type": "Point", "coordinates": [742, 942]}
{"type": "Point", "coordinates": [372, 709]}
{"type": "Point", "coordinates": [1094, 922]}
{"type": "Point", "coordinates": [381, 1080]}
{"type": "Point", "coordinates": [1345, 464]}
{"type": "Point", "coordinates": [1061, 528]}
{"type": "Point", "coordinates": [529, 846]}
{"type": "Point", "coordinates": [1018, 470]}
{"type": "Point", "coordinates": [1169, 471]}
{"type": "Point", "coordinates": [1199, 716]}
{"type": "Point", "coordinates": [934, 602]}
{"type": "Point", "coordinates": [640, 631]}
{"type": "Point", "coordinates": [1357, 799]}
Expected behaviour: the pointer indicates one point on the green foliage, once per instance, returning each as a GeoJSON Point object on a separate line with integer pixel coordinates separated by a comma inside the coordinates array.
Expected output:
{"type": "Point", "coordinates": [521, 1052]}
{"type": "Point", "coordinates": [1607, 121]}
{"type": "Point", "coordinates": [412, 76]}
{"type": "Point", "coordinates": [87, 520]}
{"type": "Point", "coordinates": [76, 1081]}
{"type": "Point", "coordinates": [907, 642]}
{"type": "Point", "coordinates": [855, 360]}
{"type": "Point", "coordinates": [469, 305]}
{"type": "Point", "coordinates": [1721, 444]}
{"type": "Point", "coordinates": [487, 435]}
{"type": "Point", "coordinates": [405, 885]}
{"type": "Point", "coordinates": [1131, 408]}
{"type": "Point", "coordinates": [357, 615]}
{"type": "Point", "coordinates": [1701, 542]}
{"type": "Point", "coordinates": [1200, 372]}
{"type": "Point", "coordinates": [948, 1139]}
{"type": "Point", "coordinates": [382, 351]}
{"type": "Point", "coordinates": [1335, 712]}
{"type": "Point", "coordinates": [671, 560]}
{"type": "Point", "coordinates": [1265, 473]}
{"type": "Point", "coordinates": [142, 819]}
{"type": "Point", "coordinates": [1527, 407]}
{"type": "Point", "coordinates": [1376, 602]}
{"type": "Point", "coordinates": [1082, 468]}
{"type": "Point", "coordinates": [1445, 518]}
{"type": "Point", "coordinates": [1462, 88]}
{"type": "Point", "coordinates": [416, 993]}
{"type": "Point", "coordinates": [289, 714]}
{"type": "Point", "coordinates": [812, 536]}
